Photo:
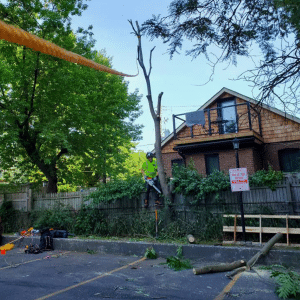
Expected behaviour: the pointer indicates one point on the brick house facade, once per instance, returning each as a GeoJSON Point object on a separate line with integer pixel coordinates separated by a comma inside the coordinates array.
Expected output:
{"type": "Point", "coordinates": [267, 136]}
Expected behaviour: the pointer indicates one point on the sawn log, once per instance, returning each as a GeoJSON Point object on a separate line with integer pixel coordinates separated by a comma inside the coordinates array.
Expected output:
{"type": "Point", "coordinates": [219, 268]}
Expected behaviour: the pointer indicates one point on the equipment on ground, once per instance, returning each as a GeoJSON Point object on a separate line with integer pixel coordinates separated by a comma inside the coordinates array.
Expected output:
{"type": "Point", "coordinates": [46, 240]}
{"type": "Point", "coordinates": [10, 245]}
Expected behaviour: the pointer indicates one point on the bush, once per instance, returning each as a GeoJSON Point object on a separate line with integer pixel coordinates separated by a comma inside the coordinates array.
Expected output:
{"type": "Point", "coordinates": [190, 183]}
{"type": "Point", "coordinates": [90, 220]}
{"type": "Point", "coordinates": [118, 189]}
{"type": "Point", "coordinates": [8, 216]}
{"type": "Point", "coordinates": [60, 217]}
{"type": "Point", "coordinates": [266, 178]}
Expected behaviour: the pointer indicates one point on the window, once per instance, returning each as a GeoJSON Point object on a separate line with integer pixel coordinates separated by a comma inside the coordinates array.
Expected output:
{"type": "Point", "coordinates": [227, 113]}
{"type": "Point", "coordinates": [177, 162]}
{"type": "Point", "coordinates": [212, 163]}
{"type": "Point", "coordinates": [289, 160]}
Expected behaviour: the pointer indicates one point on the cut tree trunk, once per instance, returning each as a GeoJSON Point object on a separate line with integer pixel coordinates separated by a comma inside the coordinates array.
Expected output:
{"type": "Point", "coordinates": [219, 268]}
{"type": "Point", "coordinates": [191, 239]}
{"type": "Point", "coordinates": [264, 251]}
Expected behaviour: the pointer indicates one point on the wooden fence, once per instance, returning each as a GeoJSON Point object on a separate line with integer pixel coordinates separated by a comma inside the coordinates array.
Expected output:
{"type": "Point", "coordinates": [284, 200]}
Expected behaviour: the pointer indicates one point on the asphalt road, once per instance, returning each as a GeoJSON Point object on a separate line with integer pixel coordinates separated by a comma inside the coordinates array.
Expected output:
{"type": "Point", "coordinates": [74, 275]}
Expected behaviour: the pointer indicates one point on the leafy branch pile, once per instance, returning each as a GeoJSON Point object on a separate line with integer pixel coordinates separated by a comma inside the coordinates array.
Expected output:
{"type": "Point", "coordinates": [150, 253]}
{"type": "Point", "coordinates": [288, 281]}
{"type": "Point", "coordinates": [177, 263]}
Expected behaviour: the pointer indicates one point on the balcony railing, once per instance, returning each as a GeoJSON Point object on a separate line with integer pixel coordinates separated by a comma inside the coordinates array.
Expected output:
{"type": "Point", "coordinates": [218, 122]}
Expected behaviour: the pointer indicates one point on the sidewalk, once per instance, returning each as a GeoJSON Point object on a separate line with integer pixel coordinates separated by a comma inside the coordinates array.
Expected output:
{"type": "Point", "coordinates": [204, 253]}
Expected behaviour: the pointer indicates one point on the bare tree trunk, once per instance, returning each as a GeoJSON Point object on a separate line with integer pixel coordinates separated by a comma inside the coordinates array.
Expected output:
{"type": "Point", "coordinates": [155, 115]}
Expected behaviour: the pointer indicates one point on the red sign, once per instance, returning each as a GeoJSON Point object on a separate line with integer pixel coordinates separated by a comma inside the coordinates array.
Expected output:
{"type": "Point", "coordinates": [239, 180]}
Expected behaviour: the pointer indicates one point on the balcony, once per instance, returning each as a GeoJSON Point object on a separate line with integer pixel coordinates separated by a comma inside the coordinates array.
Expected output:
{"type": "Point", "coordinates": [221, 123]}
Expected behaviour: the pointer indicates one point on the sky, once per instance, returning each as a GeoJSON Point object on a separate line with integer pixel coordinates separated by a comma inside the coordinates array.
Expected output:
{"type": "Point", "coordinates": [181, 79]}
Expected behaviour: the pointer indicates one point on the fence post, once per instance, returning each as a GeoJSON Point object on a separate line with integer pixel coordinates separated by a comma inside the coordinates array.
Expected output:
{"type": "Point", "coordinates": [29, 200]}
{"type": "Point", "coordinates": [289, 196]}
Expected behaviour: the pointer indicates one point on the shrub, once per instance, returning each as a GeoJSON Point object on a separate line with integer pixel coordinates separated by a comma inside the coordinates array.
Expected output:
{"type": "Point", "coordinates": [60, 217]}
{"type": "Point", "coordinates": [190, 183]}
{"type": "Point", "coordinates": [8, 216]}
{"type": "Point", "coordinates": [90, 220]}
{"type": "Point", "coordinates": [118, 189]}
{"type": "Point", "coordinates": [266, 178]}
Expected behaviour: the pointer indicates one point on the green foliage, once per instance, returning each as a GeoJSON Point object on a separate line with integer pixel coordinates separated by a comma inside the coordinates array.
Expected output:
{"type": "Point", "coordinates": [266, 178]}
{"type": "Point", "coordinates": [186, 181]}
{"type": "Point", "coordinates": [288, 281]}
{"type": "Point", "coordinates": [90, 220]}
{"type": "Point", "coordinates": [132, 165]}
{"type": "Point", "coordinates": [118, 189]}
{"type": "Point", "coordinates": [150, 253]}
{"type": "Point", "coordinates": [177, 263]}
{"type": "Point", "coordinates": [60, 120]}
{"type": "Point", "coordinates": [8, 215]}
{"type": "Point", "coordinates": [190, 183]}
{"type": "Point", "coordinates": [60, 217]}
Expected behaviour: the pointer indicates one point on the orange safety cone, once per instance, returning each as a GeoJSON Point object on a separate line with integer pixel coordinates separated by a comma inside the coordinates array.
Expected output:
{"type": "Point", "coordinates": [3, 252]}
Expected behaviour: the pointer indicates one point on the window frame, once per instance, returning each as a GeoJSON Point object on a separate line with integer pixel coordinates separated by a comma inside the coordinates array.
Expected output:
{"type": "Point", "coordinates": [207, 156]}
{"type": "Point", "coordinates": [220, 114]}
{"type": "Point", "coordinates": [287, 151]}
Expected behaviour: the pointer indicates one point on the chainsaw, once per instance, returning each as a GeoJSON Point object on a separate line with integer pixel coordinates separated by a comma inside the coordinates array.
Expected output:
{"type": "Point", "coordinates": [150, 181]}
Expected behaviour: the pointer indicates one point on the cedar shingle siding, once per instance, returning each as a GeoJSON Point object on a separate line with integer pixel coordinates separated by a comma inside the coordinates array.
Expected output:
{"type": "Point", "coordinates": [260, 146]}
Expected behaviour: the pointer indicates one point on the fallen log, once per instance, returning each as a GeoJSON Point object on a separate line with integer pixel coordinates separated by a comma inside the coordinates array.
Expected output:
{"type": "Point", "coordinates": [191, 239]}
{"type": "Point", "coordinates": [236, 271]}
{"type": "Point", "coordinates": [264, 251]}
{"type": "Point", "coordinates": [219, 268]}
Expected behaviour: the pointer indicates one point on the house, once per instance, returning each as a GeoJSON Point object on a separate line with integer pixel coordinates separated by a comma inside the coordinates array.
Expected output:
{"type": "Point", "coordinates": [266, 135]}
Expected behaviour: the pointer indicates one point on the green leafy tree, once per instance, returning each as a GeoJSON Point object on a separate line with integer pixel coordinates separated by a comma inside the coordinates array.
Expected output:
{"type": "Point", "coordinates": [233, 28]}
{"type": "Point", "coordinates": [51, 108]}
{"type": "Point", "coordinates": [133, 164]}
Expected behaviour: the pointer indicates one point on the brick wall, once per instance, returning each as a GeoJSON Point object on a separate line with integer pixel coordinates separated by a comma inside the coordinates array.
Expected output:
{"type": "Point", "coordinates": [271, 153]}
{"type": "Point", "coordinates": [167, 161]}
{"type": "Point", "coordinates": [247, 158]}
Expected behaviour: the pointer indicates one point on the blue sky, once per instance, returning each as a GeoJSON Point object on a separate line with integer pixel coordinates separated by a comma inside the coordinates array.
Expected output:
{"type": "Point", "coordinates": [180, 79]}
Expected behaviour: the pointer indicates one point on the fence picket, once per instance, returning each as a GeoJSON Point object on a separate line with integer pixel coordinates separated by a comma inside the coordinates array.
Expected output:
{"type": "Point", "coordinates": [285, 200]}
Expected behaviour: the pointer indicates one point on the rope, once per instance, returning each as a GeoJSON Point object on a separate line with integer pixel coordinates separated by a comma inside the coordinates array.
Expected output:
{"type": "Point", "coordinates": [24, 38]}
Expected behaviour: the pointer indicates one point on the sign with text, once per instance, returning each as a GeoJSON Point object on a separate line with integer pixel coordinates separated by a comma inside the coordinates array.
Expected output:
{"type": "Point", "coordinates": [239, 180]}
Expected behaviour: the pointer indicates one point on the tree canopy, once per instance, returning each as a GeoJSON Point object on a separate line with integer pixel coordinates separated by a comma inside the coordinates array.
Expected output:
{"type": "Point", "coordinates": [53, 111]}
{"type": "Point", "coordinates": [235, 27]}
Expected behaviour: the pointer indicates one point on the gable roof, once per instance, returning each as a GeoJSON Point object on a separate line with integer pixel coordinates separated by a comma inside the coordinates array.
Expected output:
{"type": "Point", "coordinates": [238, 95]}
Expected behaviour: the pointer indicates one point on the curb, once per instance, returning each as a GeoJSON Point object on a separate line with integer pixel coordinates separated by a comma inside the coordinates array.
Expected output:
{"type": "Point", "coordinates": [201, 253]}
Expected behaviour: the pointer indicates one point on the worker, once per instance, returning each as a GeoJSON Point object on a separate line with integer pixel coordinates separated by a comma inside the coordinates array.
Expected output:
{"type": "Point", "coordinates": [149, 171]}
{"type": "Point", "coordinates": [1, 231]}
